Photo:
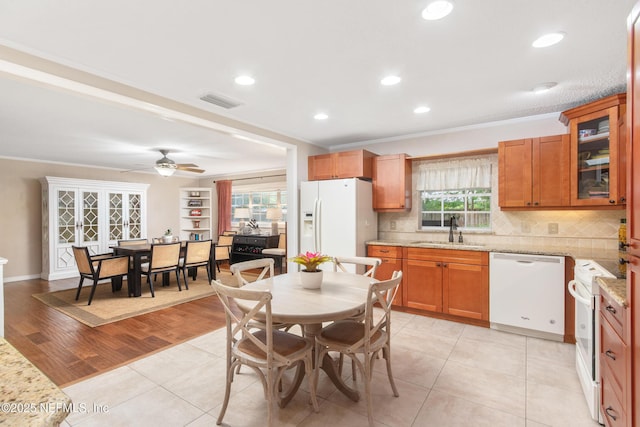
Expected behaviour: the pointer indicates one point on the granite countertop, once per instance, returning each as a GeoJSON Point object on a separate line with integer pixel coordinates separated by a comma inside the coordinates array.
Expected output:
{"type": "Point", "coordinates": [574, 252]}
{"type": "Point", "coordinates": [27, 396]}
{"type": "Point", "coordinates": [607, 258]}
{"type": "Point", "coordinates": [616, 288]}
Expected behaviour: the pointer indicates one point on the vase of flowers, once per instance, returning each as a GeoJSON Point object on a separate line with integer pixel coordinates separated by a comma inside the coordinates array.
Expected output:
{"type": "Point", "coordinates": [168, 236]}
{"type": "Point", "coordinates": [311, 276]}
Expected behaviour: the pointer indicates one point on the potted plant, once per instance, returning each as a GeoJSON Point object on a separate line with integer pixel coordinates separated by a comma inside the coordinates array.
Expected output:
{"type": "Point", "coordinates": [311, 277]}
{"type": "Point", "coordinates": [168, 236]}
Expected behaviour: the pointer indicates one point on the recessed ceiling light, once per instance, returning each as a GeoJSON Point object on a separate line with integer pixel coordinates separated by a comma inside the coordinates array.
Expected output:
{"type": "Point", "coordinates": [422, 109]}
{"type": "Point", "coordinates": [390, 80]}
{"type": "Point", "coordinates": [548, 39]}
{"type": "Point", "coordinates": [437, 10]}
{"type": "Point", "coordinates": [245, 80]}
{"type": "Point", "coordinates": [321, 116]}
{"type": "Point", "coordinates": [543, 87]}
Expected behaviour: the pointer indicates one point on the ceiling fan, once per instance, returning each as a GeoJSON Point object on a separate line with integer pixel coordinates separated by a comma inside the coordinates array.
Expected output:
{"type": "Point", "coordinates": [166, 167]}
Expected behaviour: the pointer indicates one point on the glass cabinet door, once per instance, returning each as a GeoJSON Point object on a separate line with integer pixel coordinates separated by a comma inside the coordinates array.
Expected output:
{"type": "Point", "coordinates": [595, 147]}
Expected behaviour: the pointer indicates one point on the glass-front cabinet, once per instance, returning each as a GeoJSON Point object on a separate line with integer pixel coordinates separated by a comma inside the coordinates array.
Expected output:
{"type": "Point", "coordinates": [597, 152]}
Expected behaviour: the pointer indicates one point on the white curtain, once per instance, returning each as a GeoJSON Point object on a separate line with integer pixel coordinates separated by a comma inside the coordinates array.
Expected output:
{"type": "Point", "coordinates": [455, 175]}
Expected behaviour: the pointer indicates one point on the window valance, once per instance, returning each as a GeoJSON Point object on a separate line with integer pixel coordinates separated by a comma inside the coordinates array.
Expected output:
{"type": "Point", "coordinates": [454, 175]}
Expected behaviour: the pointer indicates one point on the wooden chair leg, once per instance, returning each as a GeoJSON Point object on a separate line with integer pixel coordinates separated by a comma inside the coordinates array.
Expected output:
{"type": "Point", "coordinates": [93, 290]}
{"type": "Point", "coordinates": [150, 281]}
{"type": "Point", "coordinates": [79, 287]}
{"type": "Point", "coordinates": [178, 280]}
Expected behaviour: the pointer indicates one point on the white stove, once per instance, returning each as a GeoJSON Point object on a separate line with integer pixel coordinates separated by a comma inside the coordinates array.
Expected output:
{"type": "Point", "coordinates": [586, 292]}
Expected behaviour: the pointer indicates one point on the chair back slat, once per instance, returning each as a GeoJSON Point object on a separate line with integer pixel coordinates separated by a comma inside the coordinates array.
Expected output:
{"type": "Point", "coordinates": [132, 242]}
{"type": "Point", "coordinates": [340, 264]}
{"type": "Point", "coordinates": [83, 260]}
{"type": "Point", "coordinates": [266, 264]}
{"type": "Point", "coordinates": [115, 266]}
{"type": "Point", "coordinates": [164, 255]}
{"type": "Point", "coordinates": [197, 251]}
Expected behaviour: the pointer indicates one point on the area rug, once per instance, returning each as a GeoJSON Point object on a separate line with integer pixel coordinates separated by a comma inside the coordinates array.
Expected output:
{"type": "Point", "coordinates": [108, 307]}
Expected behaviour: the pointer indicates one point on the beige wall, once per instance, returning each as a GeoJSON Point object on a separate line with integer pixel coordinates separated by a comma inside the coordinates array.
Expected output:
{"type": "Point", "coordinates": [20, 212]}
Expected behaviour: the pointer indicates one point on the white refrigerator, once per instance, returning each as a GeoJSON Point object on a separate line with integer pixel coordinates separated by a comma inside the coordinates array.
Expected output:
{"type": "Point", "coordinates": [337, 217]}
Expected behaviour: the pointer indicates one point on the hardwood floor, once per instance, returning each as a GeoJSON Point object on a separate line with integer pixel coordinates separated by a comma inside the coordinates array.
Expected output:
{"type": "Point", "coordinates": [68, 351]}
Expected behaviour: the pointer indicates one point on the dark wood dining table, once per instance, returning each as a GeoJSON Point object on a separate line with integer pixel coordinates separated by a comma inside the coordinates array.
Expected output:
{"type": "Point", "coordinates": [141, 252]}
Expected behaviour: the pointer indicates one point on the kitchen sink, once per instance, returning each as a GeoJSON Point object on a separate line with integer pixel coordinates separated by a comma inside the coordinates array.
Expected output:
{"type": "Point", "coordinates": [447, 245]}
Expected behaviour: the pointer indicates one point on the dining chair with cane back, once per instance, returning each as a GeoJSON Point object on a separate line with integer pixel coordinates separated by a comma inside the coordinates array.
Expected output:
{"type": "Point", "coordinates": [223, 249]}
{"type": "Point", "coordinates": [268, 351]}
{"type": "Point", "coordinates": [366, 266]}
{"type": "Point", "coordinates": [351, 337]}
{"type": "Point", "coordinates": [99, 267]}
{"type": "Point", "coordinates": [164, 258]}
{"type": "Point", "coordinates": [134, 242]}
{"type": "Point", "coordinates": [197, 254]}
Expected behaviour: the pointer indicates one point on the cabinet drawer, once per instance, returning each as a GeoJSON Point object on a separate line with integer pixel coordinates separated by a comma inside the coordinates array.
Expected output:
{"type": "Point", "coordinates": [613, 312]}
{"type": "Point", "coordinates": [612, 409]}
{"type": "Point", "coordinates": [612, 354]}
{"type": "Point", "coordinates": [384, 251]}
{"type": "Point", "coordinates": [448, 255]}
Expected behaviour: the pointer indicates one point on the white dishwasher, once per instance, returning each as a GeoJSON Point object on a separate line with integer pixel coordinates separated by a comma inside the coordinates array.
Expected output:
{"type": "Point", "coordinates": [526, 294]}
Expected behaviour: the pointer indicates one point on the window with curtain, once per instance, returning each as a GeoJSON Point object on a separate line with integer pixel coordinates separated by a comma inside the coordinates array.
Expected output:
{"type": "Point", "coordinates": [460, 188]}
{"type": "Point", "coordinates": [258, 202]}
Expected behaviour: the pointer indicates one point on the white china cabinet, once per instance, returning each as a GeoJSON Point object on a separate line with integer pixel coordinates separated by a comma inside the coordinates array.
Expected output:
{"type": "Point", "coordinates": [95, 214]}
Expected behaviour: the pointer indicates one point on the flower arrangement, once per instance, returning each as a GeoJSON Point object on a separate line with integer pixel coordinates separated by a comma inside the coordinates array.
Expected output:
{"type": "Point", "coordinates": [168, 232]}
{"type": "Point", "coordinates": [311, 260]}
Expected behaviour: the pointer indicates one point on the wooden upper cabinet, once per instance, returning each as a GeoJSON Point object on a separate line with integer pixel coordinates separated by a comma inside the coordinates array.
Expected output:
{"type": "Point", "coordinates": [534, 172]}
{"type": "Point", "coordinates": [343, 164]}
{"type": "Point", "coordinates": [392, 183]}
{"type": "Point", "coordinates": [596, 154]}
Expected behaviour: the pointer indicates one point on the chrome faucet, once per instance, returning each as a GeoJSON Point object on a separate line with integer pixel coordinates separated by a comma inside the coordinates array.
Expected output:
{"type": "Point", "coordinates": [452, 226]}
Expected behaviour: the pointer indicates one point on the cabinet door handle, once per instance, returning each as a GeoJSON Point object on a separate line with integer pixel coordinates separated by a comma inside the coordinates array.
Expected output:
{"type": "Point", "coordinates": [535, 203]}
{"type": "Point", "coordinates": [528, 203]}
{"type": "Point", "coordinates": [608, 411]}
{"type": "Point", "coordinates": [444, 265]}
{"type": "Point", "coordinates": [438, 264]}
{"type": "Point", "coordinates": [612, 201]}
{"type": "Point", "coordinates": [623, 199]}
{"type": "Point", "coordinates": [610, 309]}
{"type": "Point", "coordinates": [384, 251]}
{"type": "Point", "coordinates": [610, 354]}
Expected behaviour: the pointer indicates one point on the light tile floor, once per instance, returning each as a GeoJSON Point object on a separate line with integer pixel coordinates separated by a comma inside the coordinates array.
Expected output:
{"type": "Point", "coordinates": [448, 374]}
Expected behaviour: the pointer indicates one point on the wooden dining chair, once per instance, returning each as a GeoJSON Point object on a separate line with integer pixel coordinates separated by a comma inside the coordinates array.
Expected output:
{"type": "Point", "coordinates": [365, 266]}
{"type": "Point", "coordinates": [268, 351]}
{"type": "Point", "coordinates": [223, 249]}
{"type": "Point", "coordinates": [164, 258]}
{"type": "Point", "coordinates": [99, 267]}
{"type": "Point", "coordinates": [197, 254]}
{"type": "Point", "coordinates": [351, 337]}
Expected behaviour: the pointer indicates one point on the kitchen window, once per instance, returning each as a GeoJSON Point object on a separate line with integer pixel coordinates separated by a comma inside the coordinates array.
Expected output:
{"type": "Point", "coordinates": [460, 188]}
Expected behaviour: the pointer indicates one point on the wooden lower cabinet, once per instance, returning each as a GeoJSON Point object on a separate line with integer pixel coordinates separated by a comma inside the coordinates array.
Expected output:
{"type": "Point", "coordinates": [451, 282]}
{"type": "Point", "coordinates": [614, 362]}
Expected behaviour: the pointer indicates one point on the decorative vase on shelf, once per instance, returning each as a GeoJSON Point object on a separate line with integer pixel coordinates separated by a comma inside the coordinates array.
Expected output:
{"type": "Point", "coordinates": [311, 279]}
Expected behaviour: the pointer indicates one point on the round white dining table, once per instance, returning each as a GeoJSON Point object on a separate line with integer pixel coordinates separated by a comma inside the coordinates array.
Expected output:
{"type": "Point", "coordinates": [340, 296]}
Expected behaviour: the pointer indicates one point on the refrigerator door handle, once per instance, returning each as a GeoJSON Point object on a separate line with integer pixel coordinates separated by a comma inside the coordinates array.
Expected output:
{"type": "Point", "coordinates": [318, 225]}
{"type": "Point", "coordinates": [314, 224]}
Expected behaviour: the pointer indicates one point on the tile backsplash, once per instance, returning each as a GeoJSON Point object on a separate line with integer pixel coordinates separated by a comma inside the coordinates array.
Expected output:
{"type": "Point", "coordinates": [593, 229]}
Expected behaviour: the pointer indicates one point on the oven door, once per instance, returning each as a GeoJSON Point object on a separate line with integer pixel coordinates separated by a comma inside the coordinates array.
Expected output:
{"type": "Point", "coordinates": [585, 324]}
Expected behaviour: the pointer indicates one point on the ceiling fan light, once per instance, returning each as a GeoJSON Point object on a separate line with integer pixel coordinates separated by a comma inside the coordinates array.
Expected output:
{"type": "Point", "coordinates": [165, 171]}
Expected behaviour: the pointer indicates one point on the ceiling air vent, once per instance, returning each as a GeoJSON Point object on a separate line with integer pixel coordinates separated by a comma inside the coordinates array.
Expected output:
{"type": "Point", "coordinates": [220, 101]}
